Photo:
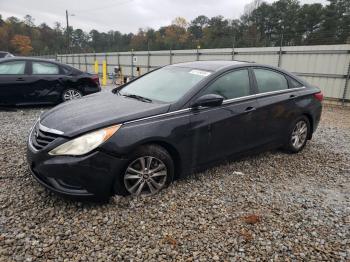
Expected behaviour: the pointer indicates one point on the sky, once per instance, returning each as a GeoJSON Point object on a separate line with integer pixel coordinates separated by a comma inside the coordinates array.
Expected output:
{"type": "Point", "coordinates": [122, 15]}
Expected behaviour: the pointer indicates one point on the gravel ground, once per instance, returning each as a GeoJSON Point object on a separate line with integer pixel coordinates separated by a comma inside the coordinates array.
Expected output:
{"type": "Point", "coordinates": [269, 206]}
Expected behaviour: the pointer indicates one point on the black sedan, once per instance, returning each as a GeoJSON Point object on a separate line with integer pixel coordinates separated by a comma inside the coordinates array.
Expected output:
{"type": "Point", "coordinates": [38, 81]}
{"type": "Point", "coordinates": [164, 125]}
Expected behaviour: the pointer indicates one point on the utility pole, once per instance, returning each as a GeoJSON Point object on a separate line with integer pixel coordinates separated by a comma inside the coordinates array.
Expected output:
{"type": "Point", "coordinates": [68, 44]}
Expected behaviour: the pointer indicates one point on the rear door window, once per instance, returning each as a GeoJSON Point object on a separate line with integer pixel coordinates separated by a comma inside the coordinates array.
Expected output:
{"type": "Point", "coordinates": [231, 85]}
{"type": "Point", "coordinates": [13, 68]}
{"type": "Point", "coordinates": [43, 68]}
{"type": "Point", "coordinates": [269, 81]}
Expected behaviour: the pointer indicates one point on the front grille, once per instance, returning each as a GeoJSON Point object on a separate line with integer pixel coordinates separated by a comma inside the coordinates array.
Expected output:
{"type": "Point", "coordinates": [41, 139]}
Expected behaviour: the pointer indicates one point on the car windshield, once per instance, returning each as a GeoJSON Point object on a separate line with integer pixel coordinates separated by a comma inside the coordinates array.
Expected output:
{"type": "Point", "coordinates": [167, 84]}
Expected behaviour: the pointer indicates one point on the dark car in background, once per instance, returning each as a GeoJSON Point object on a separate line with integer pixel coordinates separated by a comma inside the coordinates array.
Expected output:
{"type": "Point", "coordinates": [140, 137]}
{"type": "Point", "coordinates": [4, 54]}
{"type": "Point", "coordinates": [38, 81]}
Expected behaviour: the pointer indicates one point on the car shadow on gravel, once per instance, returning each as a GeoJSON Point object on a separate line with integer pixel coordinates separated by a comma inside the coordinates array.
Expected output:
{"type": "Point", "coordinates": [122, 202]}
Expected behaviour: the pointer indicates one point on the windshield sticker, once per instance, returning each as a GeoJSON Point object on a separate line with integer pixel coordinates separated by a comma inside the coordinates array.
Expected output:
{"type": "Point", "coordinates": [199, 72]}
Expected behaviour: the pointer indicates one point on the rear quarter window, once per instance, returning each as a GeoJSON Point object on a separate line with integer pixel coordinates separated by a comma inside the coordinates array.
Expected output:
{"type": "Point", "coordinates": [69, 70]}
{"type": "Point", "coordinates": [269, 81]}
{"type": "Point", "coordinates": [294, 83]}
{"type": "Point", "coordinates": [44, 68]}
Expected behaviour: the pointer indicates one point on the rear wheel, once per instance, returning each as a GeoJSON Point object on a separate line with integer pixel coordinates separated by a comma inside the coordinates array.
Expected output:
{"type": "Point", "coordinates": [149, 170]}
{"type": "Point", "coordinates": [71, 94]}
{"type": "Point", "coordinates": [298, 135]}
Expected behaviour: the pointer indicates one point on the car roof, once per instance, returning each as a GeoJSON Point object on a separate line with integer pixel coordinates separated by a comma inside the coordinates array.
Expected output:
{"type": "Point", "coordinates": [24, 58]}
{"type": "Point", "coordinates": [214, 65]}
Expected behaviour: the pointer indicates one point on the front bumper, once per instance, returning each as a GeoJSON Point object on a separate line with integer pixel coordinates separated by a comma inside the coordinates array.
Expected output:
{"type": "Point", "coordinates": [89, 176]}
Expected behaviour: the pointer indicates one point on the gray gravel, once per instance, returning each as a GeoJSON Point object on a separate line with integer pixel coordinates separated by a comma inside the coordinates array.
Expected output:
{"type": "Point", "coordinates": [269, 206]}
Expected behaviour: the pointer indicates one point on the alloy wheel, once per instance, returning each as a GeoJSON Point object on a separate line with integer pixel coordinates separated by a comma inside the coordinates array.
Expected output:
{"type": "Point", "coordinates": [146, 175]}
{"type": "Point", "coordinates": [71, 94]}
{"type": "Point", "coordinates": [299, 134]}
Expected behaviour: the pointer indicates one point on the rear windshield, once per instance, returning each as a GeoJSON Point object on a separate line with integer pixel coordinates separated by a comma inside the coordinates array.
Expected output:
{"type": "Point", "coordinates": [167, 84]}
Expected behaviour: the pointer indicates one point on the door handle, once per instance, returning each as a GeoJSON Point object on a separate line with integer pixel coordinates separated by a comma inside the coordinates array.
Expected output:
{"type": "Point", "coordinates": [249, 109]}
{"type": "Point", "coordinates": [20, 79]}
{"type": "Point", "coordinates": [293, 96]}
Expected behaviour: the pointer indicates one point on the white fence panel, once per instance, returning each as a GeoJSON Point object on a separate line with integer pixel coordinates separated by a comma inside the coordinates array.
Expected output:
{"type": "Point", "coordinates": [325, 66]}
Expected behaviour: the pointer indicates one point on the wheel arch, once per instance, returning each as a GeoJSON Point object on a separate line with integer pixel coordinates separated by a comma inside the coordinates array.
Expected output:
{"type": "Point", "coordinates": [173, 152]}
{"type": "Point", "coordinates": [311, 122]}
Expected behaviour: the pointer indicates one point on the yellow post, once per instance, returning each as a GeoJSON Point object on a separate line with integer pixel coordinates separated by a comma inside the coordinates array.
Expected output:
{"type": "Point", "coordinates": [96, 67]}
{"type": "Point", "coordinates": [104, 73]}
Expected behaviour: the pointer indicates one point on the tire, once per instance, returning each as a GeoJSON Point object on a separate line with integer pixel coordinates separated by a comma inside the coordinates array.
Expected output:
{"type": "Point", "coordinates": [297, 139]}
{"type": "Point", "coordinates": [133, 181]}
{"type": "Point", "coordinates": [71, 94]}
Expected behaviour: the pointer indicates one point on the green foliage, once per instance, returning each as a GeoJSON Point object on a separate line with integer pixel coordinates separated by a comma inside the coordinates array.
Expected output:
{"type": "Point", "coordinates": [263, 24]}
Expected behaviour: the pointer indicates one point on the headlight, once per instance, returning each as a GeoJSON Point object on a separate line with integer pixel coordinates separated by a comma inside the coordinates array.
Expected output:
{"type": "Point", "coordinates": [85, 143]}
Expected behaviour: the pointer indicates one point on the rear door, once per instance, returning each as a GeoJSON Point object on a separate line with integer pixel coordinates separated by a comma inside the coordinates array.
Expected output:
{"type": "Point", "coordinates": [276, 104]}
{"type": "Point", "coordinates": [13, 82]}
{"type": "Point", "coordinates": [46, 82]}
{"type": "Point", "coordinates": [229, 128]}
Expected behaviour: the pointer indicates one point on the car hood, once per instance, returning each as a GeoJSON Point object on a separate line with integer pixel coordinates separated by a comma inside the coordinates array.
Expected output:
{"type": "Point", "coordinates": [97, 111]}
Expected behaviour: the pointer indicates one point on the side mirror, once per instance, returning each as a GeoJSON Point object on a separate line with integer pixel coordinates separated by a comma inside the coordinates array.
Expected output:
{"type": "Point", "coordinates": [209, 100]}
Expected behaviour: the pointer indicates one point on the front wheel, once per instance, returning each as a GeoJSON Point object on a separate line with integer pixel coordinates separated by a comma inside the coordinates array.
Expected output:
{"type": "Point", "coordinates": [71, 94]}
{"type": "Point", "coordinates": [298, 135]}
{"type": "Point", "coordinates": [149, 170]}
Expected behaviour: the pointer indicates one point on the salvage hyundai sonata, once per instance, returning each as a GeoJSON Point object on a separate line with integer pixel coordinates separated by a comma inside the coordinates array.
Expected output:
{"type": "Point", "coordinates": [141, 136]}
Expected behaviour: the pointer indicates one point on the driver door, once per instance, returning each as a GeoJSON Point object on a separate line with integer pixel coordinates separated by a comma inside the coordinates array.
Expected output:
{"type": "Point", "coordinates": [229, 128]}
{"type": "Point", "coordinates": [46, 82]}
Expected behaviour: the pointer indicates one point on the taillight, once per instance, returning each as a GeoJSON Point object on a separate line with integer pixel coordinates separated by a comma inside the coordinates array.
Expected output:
{"type": "Point", "coordinates": [95, 79]}
{"type": "Point", "coordinates": [319, 96]}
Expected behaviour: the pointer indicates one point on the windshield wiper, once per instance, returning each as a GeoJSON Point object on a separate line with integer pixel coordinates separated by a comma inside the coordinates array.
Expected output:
{"type": "Point", "coordinates": [141, 98]}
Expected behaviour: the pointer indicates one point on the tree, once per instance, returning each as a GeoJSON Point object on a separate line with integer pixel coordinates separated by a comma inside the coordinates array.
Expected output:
{"type": "Point", "coordinates": [22, 44]}
{"type": "Point", "coordinates": [180, 22]}
{"type": "Point", "coordinates": [80, 41]}
{"type": "Point", "coordinates": [336, 25]}
{"type": "Point", "coordinates": [29, 20]}
{"type": "Point", "coordinates": [259, 25]}
{"type": "Point", "coordinates": [310, 18]}
{"type": "Point", "coordinates": [139, 41]}
{"type": "Point", "coordinates": [175, 37]}
{"type": "Point", "coordinates": [285, 19]}
{"type": "Point", "coordinates": [262, 24]}
{"type": "Point", "coordinates": [249, 8]}
{"type": "Point", "coordinates": [218, 33]}
{"type": "Point", "coordinates": [151, 39]}
{"type": "Point", "coordinates": [197, 25]}
{"type": "Point", "coordinates": [4, 38]}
